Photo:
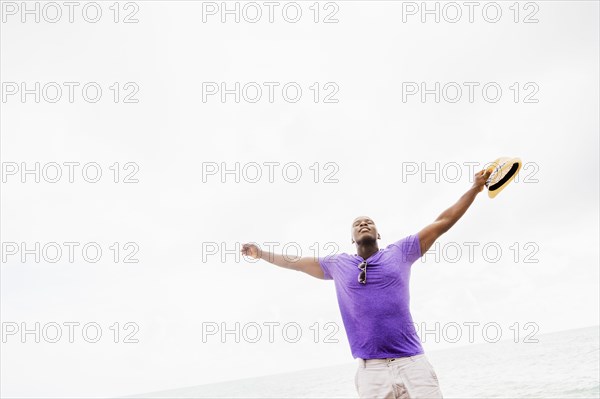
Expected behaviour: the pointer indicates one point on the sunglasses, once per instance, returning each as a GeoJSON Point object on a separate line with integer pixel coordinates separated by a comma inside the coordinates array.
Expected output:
{"type": "Point", "coordinates": [362, 277]}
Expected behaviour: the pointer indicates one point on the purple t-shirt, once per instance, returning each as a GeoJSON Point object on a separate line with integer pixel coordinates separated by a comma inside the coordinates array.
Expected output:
{"type": "Point", "coordinates": [376, 315]}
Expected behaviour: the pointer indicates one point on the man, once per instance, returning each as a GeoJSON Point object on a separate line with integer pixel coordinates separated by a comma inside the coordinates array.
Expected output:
{"type": "Point", "coordinates": [373, 295]}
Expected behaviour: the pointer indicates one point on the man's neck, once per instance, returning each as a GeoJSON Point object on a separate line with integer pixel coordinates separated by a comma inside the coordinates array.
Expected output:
{"type": "Point", "coordinates": [367, 249]}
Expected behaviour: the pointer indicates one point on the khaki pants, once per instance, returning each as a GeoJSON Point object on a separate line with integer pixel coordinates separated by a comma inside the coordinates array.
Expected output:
{"type": "Point", "coordinates": [400, 378]}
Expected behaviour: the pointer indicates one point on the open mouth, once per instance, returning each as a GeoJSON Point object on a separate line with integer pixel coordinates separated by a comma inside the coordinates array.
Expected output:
{"type": "Point", "coordinates": [364, 229]}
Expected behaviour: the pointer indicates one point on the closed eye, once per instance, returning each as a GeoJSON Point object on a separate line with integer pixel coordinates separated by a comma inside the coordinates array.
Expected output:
{"type": "Point", "coordinates": [368, 221]}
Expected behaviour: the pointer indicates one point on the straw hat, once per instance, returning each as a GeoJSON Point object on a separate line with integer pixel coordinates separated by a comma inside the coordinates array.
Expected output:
{"type": "Point", "coordinates": [504, 170]}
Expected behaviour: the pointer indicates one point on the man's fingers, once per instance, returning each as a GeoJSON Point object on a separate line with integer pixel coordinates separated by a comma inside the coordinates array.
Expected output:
{"type": "Point", "coordinates": [485, 173]}
{"type": "Point", "coordinates": [245, 249]}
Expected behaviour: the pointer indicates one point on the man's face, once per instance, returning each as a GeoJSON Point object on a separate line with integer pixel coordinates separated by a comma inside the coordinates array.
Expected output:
{"type": "Point", "coordinates": [364, 230]}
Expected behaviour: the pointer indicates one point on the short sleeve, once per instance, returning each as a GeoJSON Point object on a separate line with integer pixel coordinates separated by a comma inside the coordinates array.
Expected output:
{"type": "Point", "coordinates": [409, 248]}
{"type": "Point", "coordinates": [328, 264]}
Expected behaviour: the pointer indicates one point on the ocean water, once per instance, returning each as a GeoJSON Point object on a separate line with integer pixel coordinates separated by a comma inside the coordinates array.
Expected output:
{"type": "Point", "coordinates": [565, 364]}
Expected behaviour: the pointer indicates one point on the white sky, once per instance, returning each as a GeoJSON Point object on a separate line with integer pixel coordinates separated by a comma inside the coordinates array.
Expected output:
{"type": "Point", "coordinates": [370, 134]}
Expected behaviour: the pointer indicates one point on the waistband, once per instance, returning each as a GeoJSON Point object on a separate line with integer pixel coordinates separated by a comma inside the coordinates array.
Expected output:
{"type": "Point", "coordinates": [389, 361]}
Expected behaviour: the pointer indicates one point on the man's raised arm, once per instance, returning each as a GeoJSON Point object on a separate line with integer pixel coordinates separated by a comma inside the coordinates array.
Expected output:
{"type": "Point", "coordinates": [307, 265]}
{"type": "Point", "coordinates": [442, 224]}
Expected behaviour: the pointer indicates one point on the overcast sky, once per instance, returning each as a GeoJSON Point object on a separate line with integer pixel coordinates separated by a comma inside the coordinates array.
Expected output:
{"type": "Point", "coordinates": [370, 135]}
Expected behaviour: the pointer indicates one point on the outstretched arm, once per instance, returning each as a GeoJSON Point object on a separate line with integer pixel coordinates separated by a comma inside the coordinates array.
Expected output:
{"type": "Point", "coordinates": [442, 224]}
{"type": "Point", "coordinates": [306, 265]}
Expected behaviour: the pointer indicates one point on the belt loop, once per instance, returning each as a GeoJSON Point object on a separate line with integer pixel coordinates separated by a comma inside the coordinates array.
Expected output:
{"type": "Point", "coordinates": [363, 363]}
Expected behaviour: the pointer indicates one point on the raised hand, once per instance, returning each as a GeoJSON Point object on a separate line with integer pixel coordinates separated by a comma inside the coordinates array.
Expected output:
{"type": "Point", "coordinates": [250, 250]}
{"type": "Point", "coordinates": [480, 178]}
